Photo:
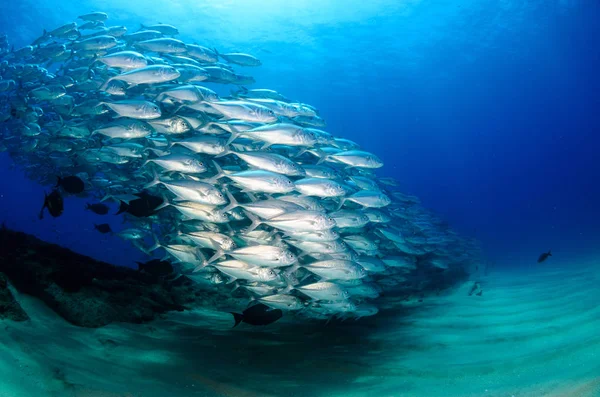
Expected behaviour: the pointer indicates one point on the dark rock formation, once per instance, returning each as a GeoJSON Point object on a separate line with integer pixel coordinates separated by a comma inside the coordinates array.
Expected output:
{"type": "Point", "coordinates": [9, 307]}
{"type": "Point", "coordinates": [84, 291]}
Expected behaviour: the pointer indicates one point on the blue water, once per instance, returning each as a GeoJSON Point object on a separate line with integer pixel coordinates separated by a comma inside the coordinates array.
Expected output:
{"type": "Point", "coordinates": [486, 110]}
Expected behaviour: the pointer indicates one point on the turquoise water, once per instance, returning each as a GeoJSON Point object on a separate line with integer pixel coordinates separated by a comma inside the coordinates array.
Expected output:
{"type": "Point", "coordinates": [529, 334]}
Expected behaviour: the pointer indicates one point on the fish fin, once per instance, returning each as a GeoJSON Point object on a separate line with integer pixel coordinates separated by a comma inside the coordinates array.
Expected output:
{"type": "Point", "coordinates": [236, 286]}
{"type": "Point", "coordinates": [300, 153]}
{"type": "Point", "coordinates": [41, 215]}
{"type": "Point", "coordinates": [165, 203]}
{"type": "Point", "coordinates": [103, 86]}
{"type": "Point", "coordinates": [154, 246]}
{"type": "Point", "coordinates": [255, 222]}
{"type": "Point", "coordinates": [304, 254]}
{"type": "Point", "coordinates": [238, 318]}
{"type": "Point", "coordinates": [289, 287]}
{"type": "Point", "coordinates": [253, 301]}
{"type": "Point", "coordinates": [218, 254]}
{"type": "Point", "coordinates": [203, 261]}
{"type": "Point", "coordinates": [217, 53]}
{"type": "Point", "coordinates": [234, 135]}
{"type": "Point", "coordinates": [322, 159]}
{"type": "Point", "coordinates": [251, 196]}
{"type": "Point", "coordinates": [277, 240]}
{"type": "Point", "coordinates": [342, 201]}
{"type": "Point", "coordinates": [307, 275]}
{"type": "Point", "coordinates": [220, 174]}
{"type": "Point", "coordinates": [232, 201]}
{"type": "Point", "coordinates": [231, 280]}
{"type": "Point", "coordinates": [224, 153]}
{"type": "Point", "coordinates": [155, 179]}
{"type": "Point", "coordinates": [549, 252]}
{"type": "Point", "coordinates": [266, 146]}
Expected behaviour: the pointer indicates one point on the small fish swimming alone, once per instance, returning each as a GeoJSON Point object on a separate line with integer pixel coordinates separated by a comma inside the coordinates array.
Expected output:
{"type": "Point", "coordinates": [258, 314]}
{"type": "Point", "coordinates": [156, 267]}
{"type": "Point", "coordinates": [54, 203]}
{"type": "Point", "coordinates": [142, 207]}
{"type": "Point", "coordinates": [476, 287]}
{"type": "Point", "coordinates": [97, 208]}
{"type": "Point", "coordinates": [544, 256]}
{"type": "Point", "coordinates": [103, 228]}
{"type": "Point", "coordinates": [71, 184]}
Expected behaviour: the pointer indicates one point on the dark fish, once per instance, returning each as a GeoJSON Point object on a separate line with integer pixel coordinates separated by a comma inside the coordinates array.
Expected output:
{"type": "Point", "coordinates": [54, 203]}
{"type": "Point", "coordinates": [142, 207]}
{"type": "Point", "coordinates": [97, 208]}
{"type": "Point", "coordinates": [156, 267]}
{"type": "Point", "coordinates": [474, 288]}
{"type": "Point", "coordinates": [258, 315]}
{"type": "Point", "coordinates": [544, 256]}
{"type": "Point", "coordinates": [71, 184]}
{"type": "Point", "coordinates": [479, 293]}
{"type": "Point", "coordinates": [103, 228]}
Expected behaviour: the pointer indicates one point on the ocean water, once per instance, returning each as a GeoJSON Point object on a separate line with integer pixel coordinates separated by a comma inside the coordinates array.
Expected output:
{"type": "Point", "coordinates": [485, 110]}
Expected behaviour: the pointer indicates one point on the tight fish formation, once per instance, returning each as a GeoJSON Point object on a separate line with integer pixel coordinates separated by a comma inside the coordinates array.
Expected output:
{"type": "Point", "coordinates": [245, 192]}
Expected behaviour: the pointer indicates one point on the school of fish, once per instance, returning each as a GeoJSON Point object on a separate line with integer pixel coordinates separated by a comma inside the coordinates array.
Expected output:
{"type": "Point", "coordinates": [246, 193]}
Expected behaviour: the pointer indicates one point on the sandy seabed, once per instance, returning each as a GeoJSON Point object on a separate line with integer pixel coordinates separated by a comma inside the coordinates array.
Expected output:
{"type": "Point", "coordinates": [530, 334]}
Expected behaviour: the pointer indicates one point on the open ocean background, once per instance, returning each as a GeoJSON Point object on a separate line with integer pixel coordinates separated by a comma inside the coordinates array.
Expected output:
{"type": "Point", "coordinates": [487, 110]}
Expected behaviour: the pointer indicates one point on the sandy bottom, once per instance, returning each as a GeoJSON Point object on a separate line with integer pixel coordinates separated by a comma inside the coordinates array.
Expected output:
{"type": "Point", "coordinates": [534, 334]}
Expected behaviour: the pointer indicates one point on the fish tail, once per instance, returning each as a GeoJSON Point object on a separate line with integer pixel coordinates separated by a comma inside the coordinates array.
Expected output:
{"type": "Point", "coordinates": [220, 174]}
{"type": "Point", "coordinates": [41, 215]}
{"type": "Point", "coordinates": [232, 201]}
{"type": "Point", "coordinates": [165, 203]}
{"type": "Point", "coordinates": [255, 222]}
{"type": "Point", "coordinates": [154, 246]}
{"type": "Point", "coordinates": [237, 317]}
{"type": "Point", "coordinates": [155, 179]}
{"type": "Point", "coordinates": [322, 159]}
{"type": "Point", "coordinates": [122, 207]}
{"type": "Point", "coordinates": [203, 262]}
{"type": "Point", "coordinates": [225, 152]}
{"type": "Point", "coordinates": [300, 153]}
{"type": "Point", "coordinates": [103, 87]}
{"type": "Point", "coordinates": [234, 135]}
{"type": "Point", "coordinates": [218, 254]}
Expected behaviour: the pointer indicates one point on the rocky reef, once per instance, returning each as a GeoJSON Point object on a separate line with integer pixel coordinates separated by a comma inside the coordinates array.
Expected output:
{"type": "Point", "coordinates": [9, 307]}
{"type": "Point", "coordinates": [82, 290]}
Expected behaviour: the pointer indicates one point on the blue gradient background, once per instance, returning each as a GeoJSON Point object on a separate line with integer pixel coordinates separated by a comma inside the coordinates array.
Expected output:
{"type": "Point", "coordinates": [489, 111]}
